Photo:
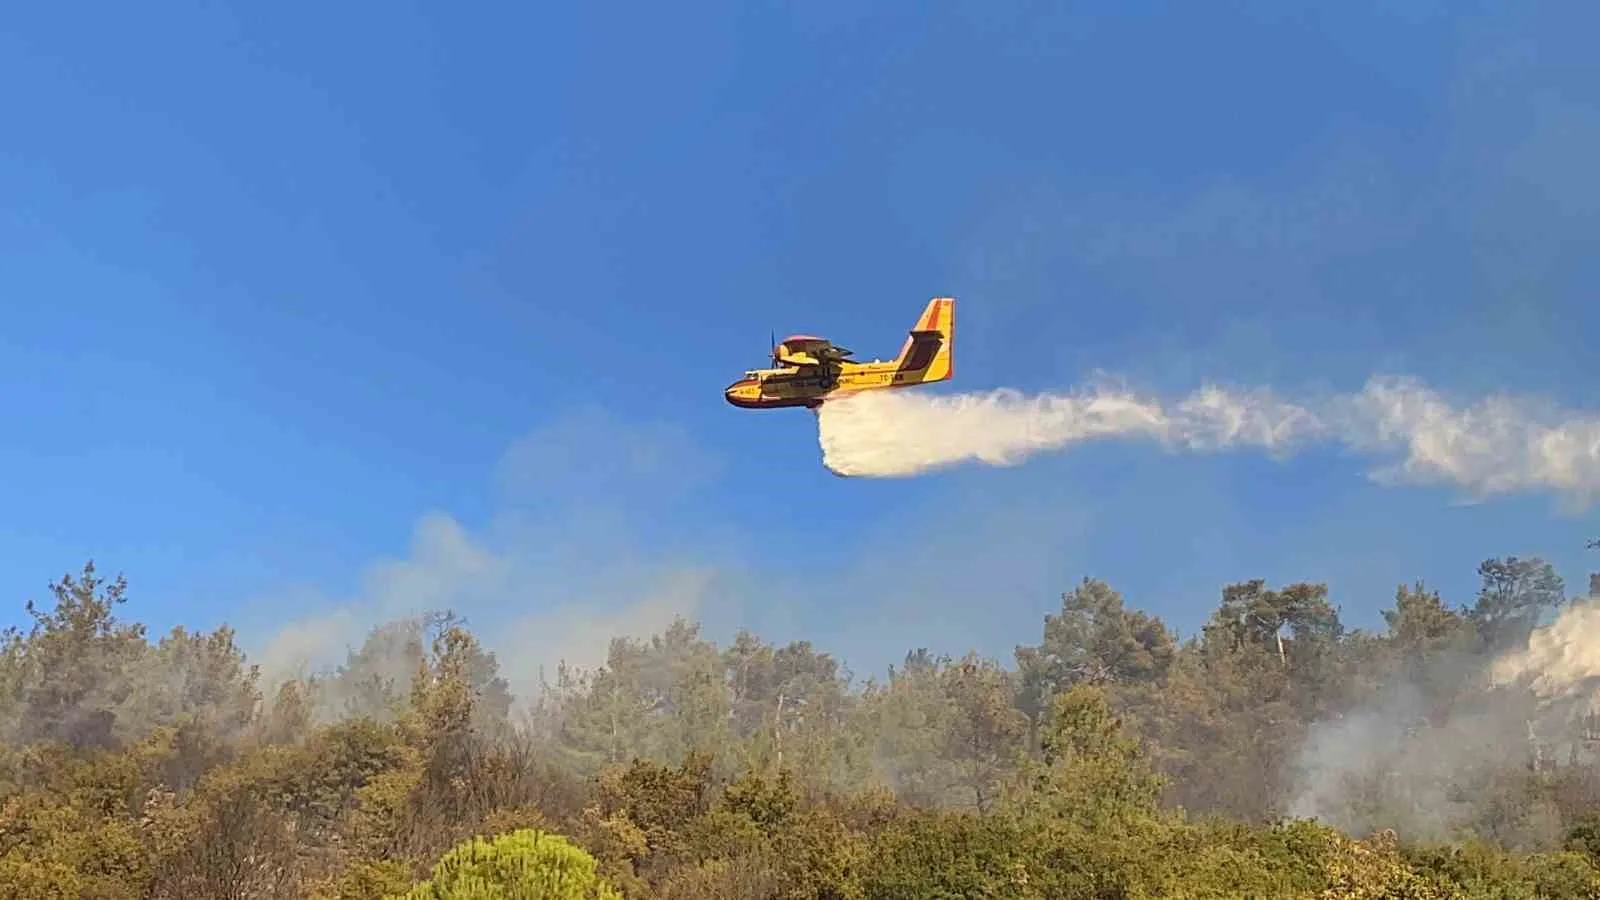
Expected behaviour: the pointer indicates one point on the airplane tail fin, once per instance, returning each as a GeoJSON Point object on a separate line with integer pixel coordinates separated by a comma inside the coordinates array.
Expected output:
{"type": "Point", "coordinates": [929, 351]}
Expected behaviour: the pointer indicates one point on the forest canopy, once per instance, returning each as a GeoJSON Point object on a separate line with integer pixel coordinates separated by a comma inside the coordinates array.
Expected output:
{"type": "Point", "coordinates": [1276, 752]}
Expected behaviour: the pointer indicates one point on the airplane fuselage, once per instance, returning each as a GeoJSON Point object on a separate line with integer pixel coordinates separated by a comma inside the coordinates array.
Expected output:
{"type": "Point", "coordinates": [789, 387]}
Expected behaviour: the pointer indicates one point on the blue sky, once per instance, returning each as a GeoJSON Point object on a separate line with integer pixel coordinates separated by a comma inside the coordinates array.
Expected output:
{"type": "Point", "coordinates": [313, 313]}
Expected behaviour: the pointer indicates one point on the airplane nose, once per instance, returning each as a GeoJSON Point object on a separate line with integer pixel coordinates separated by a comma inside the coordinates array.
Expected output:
{"type": "Point", "coordinates": [739, 393]}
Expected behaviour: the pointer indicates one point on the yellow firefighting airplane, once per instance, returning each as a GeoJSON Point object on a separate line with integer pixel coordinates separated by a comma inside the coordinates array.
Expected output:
{"type": "Point", "coordinates": [809, 370]}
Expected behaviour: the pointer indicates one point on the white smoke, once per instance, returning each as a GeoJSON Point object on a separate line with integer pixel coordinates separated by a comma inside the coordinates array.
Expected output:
{"type": "Point", "coordinates": [1562, 659]}
{"type": "Point", "coordinates": [1498, 445]}
{"type": "Point", "coordinates": [1425, 759]}
{"type": "Point", "coordinates": [1388, 764]}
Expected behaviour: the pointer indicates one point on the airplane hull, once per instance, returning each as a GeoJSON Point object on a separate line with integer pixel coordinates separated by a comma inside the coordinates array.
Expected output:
{"type": "Point", "coordinates": [776, 404]}
{"type": "Point", "coordinates": [747, 394]}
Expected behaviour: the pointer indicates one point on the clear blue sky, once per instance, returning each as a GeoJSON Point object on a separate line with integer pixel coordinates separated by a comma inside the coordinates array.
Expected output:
{"type": "Point", "coordinates": [283, 285]}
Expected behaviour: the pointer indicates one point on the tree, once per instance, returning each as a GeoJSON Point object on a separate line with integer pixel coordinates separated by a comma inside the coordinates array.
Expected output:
{"type": "Point", "coordinates": [1512, 596]}
{"type": "Point", "coordinates": [909, 723]}
{"type": "Point", "coordinates": [658, 699]}
{"type": "Point", "coordinates": [1092, 773]}
{"type": "Point", "coordinates": [70, 675]}
{"type": "Point", "coordinates": [1094, 638]}
{"type": "Point", "coordinates": [191, 678]}
{"type": "Point", "coordinates": [376, 678]}
{"type": "Point", "coordinates": [984, 739]}
{"type": "Point", "coordinates": [1294, 621]}
{"type": "Point", "coordinates": [1419, 622]}
{"type": "Point", "coordinates": [527, 863]}
{"type": "Point", "coordinates": [1422, 633]}
{"type": "Point", "coordinates": [788, 706]}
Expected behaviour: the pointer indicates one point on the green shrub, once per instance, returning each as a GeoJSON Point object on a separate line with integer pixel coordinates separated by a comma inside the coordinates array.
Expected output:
{"type": "Point", "coordinates": [523, 865]}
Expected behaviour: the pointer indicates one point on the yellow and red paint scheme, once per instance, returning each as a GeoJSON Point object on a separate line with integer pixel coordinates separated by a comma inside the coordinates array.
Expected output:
{"type": "Point", "coordinates": [808, 370]}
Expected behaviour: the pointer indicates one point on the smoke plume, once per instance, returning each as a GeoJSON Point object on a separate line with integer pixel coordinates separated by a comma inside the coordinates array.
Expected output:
{"type": "Point", "coordinates": [1500, 444]}
{"type": "Point", "coordinates": [1436, 747]}
{"type": "Point", "coordinates": [1562, 659]}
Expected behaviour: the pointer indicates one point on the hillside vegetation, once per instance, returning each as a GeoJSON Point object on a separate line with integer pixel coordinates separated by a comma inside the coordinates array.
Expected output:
{"type": "Point", "coordinates": [1108, 759]}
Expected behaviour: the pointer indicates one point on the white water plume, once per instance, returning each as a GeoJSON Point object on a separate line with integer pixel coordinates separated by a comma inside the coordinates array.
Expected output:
{"type": "Point", "coordinates": [1500, 444]}
{"type": "Point", "coordinates": [901, 433]}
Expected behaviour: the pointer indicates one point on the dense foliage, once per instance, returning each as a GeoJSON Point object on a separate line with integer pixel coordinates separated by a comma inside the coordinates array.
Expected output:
{"type": "Point", "coordinates": [1274, 754]}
